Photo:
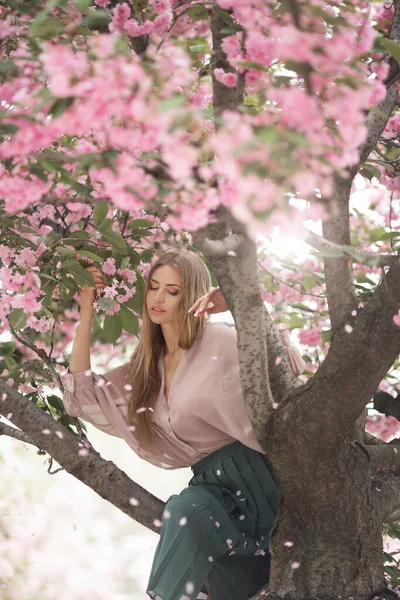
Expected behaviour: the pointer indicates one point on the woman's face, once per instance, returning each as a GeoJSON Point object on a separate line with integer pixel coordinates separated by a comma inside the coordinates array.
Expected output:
{"type": "Point", "coordinates": [163, 295]}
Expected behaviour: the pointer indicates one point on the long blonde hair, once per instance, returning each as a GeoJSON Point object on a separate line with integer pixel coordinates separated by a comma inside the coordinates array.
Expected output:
{"type": "Point", "coordinates": [146, 377]}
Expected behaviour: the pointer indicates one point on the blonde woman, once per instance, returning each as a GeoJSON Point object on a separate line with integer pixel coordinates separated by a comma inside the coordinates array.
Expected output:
{"type": "Point", "coordinates": [178, 403]}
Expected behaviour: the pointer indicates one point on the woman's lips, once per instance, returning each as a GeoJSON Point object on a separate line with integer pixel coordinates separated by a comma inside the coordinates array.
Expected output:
{"type": "Point", "coordinates": [158, 311]}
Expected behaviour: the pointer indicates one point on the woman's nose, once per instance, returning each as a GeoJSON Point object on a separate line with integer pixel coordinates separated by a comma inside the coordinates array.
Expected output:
{"type": "Point", "coordinates": [160, 295]}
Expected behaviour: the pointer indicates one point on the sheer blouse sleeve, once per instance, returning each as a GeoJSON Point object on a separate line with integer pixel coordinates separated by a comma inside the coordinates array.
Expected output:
{"type": "Point", "coordinates": [102, 400]}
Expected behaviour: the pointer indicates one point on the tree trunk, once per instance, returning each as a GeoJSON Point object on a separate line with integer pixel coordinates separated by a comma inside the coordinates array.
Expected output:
{"type": "Point", "coordinates": [327, 541]}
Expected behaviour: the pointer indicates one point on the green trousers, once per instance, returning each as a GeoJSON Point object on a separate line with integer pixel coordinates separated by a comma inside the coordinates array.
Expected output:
{"type": "Point", "coordinates": [215, 533]}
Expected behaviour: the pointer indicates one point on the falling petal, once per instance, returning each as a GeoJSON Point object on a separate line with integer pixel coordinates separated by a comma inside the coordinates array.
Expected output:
{"type": "Point", "coordinates": [60, 434]}
{"type": "Point", "coordinates": [288, 544]}
{"type": "Point", "coordinates": [133, 501]}
{"type": "Point", "coordinates": [190, 587]}
{"type": "Point", "coordinates": [157, 523]}
{"type": "Point", "coordinates": [183, 521]}
{"type": "Point", "coordinates": [295, 565]}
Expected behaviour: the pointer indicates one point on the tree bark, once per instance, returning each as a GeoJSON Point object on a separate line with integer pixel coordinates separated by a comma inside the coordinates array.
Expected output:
{"type": "Point", "coordinates": [102, 476]}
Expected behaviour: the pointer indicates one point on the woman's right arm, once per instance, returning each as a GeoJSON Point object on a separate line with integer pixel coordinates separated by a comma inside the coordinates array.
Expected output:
{"type": "Point", "coordinates": [80, 354]}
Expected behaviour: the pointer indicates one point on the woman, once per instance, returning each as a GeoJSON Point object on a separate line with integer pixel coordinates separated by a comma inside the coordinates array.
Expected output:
{"type": "Point", "coordinates": [179, 403]}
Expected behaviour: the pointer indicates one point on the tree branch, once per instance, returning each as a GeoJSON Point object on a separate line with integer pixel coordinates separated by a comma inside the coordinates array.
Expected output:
{"type": "Point", "coordinates": [220, 248]}
{"type": "Point", "coordinates": [17, 434]}
{"type": "Point", "coordinates": [384, 459]}
{"type": "Point", "coordinates": [352, 253]}
{"type": "Point", "coordinates": [358, 361]}
{"type": "Point", "coordinates": [387, 497]}
{"type": "Point", "coordinates": [379, 115]}
{"type": "Point", "coordinates": [224, 98]}
{"type": "Point", "coordinates": [338, 270]}
{"type": "Point", "coordinates": [82, 462]}
{"type": "Point", "coordinates": [247, 309]}
{"type": "Point", "coordinates": [387, 404]}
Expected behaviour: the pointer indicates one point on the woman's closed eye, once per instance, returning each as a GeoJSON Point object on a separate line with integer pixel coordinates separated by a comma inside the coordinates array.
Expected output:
{"type": "Point", "coordinates": [153, 289]}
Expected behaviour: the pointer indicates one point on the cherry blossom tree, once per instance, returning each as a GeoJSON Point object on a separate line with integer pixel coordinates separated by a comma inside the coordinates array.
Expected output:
{"type": "Point", "coordinates": [128, 127]}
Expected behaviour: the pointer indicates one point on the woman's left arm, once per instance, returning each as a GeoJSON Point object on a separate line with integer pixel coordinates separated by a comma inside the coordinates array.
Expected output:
{"type": "Point", "coordinates": [214, 302]}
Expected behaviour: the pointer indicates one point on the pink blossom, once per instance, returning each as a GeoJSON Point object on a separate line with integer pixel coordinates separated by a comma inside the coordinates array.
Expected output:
{"type": "Point", "coordinates": [228, 79]}
{"type": "Point", "coordinates": [396, 319]}
{"type": "Point", "coordinates": [310, 337]}
{"type": "Point", "coordinates": [128, 274]}
{"type": "Point", "coordinates": [121, 14]}
{"type": "Point", "coordinates": [26, 258]}
{"type": "Point", "coordinates": [18, 192]}
{"type": "Point", "coordinates": [108, 267]}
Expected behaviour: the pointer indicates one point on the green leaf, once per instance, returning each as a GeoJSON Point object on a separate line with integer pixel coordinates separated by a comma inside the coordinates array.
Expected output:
{"type": "Point", "coordinates": [91, 255]}
{"type": "Point", "coordinates": [253, 65]}
{"type": "Point", "coordinates": [225, 16]}
{"type": "Point", "coordinates": [391, 47]}
{"type": "Point", "coordinates": [330, 252]}
{"type": "Point", "coordinates": [82, 424]}
{"type": "Point", "coordinates": [106, 303]}
{"type": "Point", "coordinates": [199, 49]}
{"type": "Point", "coordinates": [7, 348]}
{"type": "Point", "coordinates": [60, 106]}
{"type": "Point", "coordinates": [8, 67]}
{"type": "Point", "coordinates": [309, 283]}
{"type": "Point", "coordinates": [389, 235]}
{"type": "Point", "coordinates": [82, 4]}
{"type": "Point", "coordinates": [326, 336]}
{"type": "Point", "coordinates": [76, 238]}
{"type": "Point", "coordinates": [17, 318]}
{"type": "Point", "coordinates": [80, 275]}
{"type": "Point", "coordinates": [296, 321]}
{"type": "Point", "coordinates": [100, 213]}
{"type": "Point", "coordinates": [171, 103]}
{"type": "Point", "coordinates": [56, 403]}
{"type": "Point", "coordinates": [369, 171]}
{"type": "Point", "coordinates": [97, 18]}
{"type": "Point", "coordinates": [66, 252]}
{"type": "Point", "coordinates": [81, 189]}
{"type": "Point", "coordinates": [267, 135]}
{"type": "Point", "coordinates": [45, 27]}
{"type": "Point", "coordinates": [112, 327]}
{"type": "Point", "coordinates": [129, 321]}
{"type": "Point", "coordinates": [106, 226]}
{"type": "Point", "coordinates": [116, 240]}
{"type": "Point", "coordinates": [135, 303]}
{"type": "Point", "coordinates": [140, 224]}
{"type": "Point", "coordinates": [140, 284]}
{"type": "Point", "coordinates": [8, 128]}
{"type": "Point", "coordinates": [198, 13]}
{"type": "Point", "coordinates": [34, 170]}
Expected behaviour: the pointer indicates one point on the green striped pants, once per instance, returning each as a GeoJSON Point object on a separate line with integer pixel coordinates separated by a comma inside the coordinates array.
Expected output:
{"type": "Point", "coordinates": [215, 533]}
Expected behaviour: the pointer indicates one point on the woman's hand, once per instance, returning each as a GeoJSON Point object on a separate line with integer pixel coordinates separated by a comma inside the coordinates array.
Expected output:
{"type": "Point", "coordinates": [89, 294]}
{"type": "Point", "coordinates": [209, 304]}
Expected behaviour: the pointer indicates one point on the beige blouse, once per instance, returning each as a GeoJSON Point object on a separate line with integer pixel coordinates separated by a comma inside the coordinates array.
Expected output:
{"type": "Point", "coordinates": [205, 408]}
